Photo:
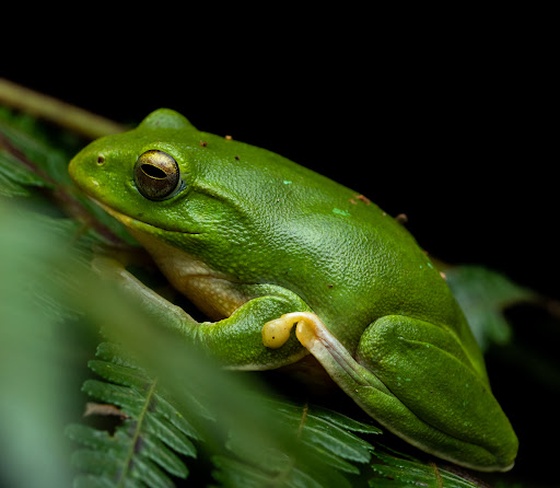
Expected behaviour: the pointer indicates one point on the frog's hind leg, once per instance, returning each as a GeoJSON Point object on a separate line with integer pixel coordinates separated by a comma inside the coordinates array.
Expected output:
{"type": "Point", "coordinates": [426, 392]}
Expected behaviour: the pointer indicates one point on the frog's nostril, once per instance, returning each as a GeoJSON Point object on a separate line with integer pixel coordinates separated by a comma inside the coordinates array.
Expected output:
{"type": "Point", "coordinates": [100, 159]}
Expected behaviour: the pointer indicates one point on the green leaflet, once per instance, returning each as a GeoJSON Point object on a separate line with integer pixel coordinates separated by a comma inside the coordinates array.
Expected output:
{"type": "Point", "coordinates": [484, 294]}
{"type": "Point", "coordinates": [328, 430]}
{"type": "Point", "coordinates": [27, 159]}
{"type": "Point", "coordinates": [395, 470]}
{"type": "Point", "coordinates": [234, 473]}
{"type": "Point", "coordinates": [15, 178]}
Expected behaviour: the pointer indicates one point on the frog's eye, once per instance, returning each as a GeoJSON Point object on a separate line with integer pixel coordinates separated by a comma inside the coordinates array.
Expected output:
{"type": "Point", "coordinates": [157, 175]}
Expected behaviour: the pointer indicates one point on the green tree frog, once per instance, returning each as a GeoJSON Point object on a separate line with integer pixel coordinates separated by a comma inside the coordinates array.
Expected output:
{"type": "Point", "coordinates": [286, 263]}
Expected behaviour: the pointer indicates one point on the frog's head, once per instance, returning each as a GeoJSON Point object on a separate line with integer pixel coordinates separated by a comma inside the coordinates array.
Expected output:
{"type": "Point", "coordinates": [152, 178]}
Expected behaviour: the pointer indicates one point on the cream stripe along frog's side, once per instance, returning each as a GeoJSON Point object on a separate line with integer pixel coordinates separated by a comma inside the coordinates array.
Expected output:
{"type": "Point", "coordinates": [289, 263]}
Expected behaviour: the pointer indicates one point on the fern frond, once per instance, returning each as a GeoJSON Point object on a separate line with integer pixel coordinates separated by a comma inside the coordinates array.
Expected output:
{"type": "Point", "coordinates": [28, 158]}
{"type": "Point", "coordinates": [327, 438]}
{"type": "Point", "coordinates": [31, 159]}
{"type": "Point", "coordinates": [147, 444]}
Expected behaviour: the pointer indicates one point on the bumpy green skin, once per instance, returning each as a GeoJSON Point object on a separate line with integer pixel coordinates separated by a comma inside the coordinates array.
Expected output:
{"type": "Point", "coordinates": [250, 236]}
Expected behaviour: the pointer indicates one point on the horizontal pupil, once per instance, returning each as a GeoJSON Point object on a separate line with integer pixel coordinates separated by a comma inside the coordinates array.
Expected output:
{"type": "Point", "coordinates": [154, 171]}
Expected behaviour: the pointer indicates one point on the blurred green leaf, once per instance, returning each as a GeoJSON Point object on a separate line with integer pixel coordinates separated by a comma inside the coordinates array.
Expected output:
{"type": "Point", "coordinates": [484, 294]}
{"type": "Point", "coordinates": [34, 350]}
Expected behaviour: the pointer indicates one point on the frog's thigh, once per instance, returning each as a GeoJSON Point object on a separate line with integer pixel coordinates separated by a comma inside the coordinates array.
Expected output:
{"type": "Point", "coordinates": [425, 366]}
{"type": "Point", "coordinates": [448, 402]}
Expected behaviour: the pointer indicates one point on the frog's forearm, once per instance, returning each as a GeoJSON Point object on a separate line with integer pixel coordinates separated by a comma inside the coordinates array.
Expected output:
{"type": "Point", "coordinates": [236, 340]}
{"type": "Point", "coordinates": [151, 302]}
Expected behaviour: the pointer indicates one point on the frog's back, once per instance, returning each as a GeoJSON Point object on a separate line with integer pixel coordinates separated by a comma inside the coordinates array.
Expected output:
{"type": "Point", "coordinates": [347, 258]}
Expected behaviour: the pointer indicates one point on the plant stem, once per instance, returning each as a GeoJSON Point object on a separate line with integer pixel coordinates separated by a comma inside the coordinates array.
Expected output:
{"type": "Point", "coordinates": [63, 114]}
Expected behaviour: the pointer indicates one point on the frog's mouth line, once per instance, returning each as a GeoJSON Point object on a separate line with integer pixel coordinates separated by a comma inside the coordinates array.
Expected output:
{"type": "Point", "coordinates": [132, 223]}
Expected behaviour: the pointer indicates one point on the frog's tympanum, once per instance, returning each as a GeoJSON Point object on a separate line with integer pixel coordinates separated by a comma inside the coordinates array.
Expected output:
{"type": "Point", "coordinates": [287, 263]}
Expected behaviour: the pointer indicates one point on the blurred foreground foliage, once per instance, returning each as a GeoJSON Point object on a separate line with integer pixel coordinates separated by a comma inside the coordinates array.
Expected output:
{"type": "Point", "coordinates": [159, 413]}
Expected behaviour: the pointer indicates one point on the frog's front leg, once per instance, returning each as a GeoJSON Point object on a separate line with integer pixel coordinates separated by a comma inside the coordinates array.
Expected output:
{"type": "Point", "coordinates": [416, 380]}
{"type": "Point", "coordinates": [236, 340]}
